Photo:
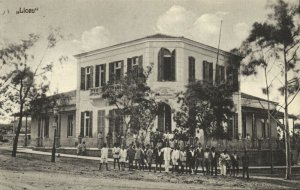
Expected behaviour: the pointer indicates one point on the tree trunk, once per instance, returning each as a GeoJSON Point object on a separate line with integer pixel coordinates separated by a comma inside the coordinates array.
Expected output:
{"type": "Point", "coordinates": [269, 123]}
{"type": "Point", "coordinates": [288, 171]}
{"type": "Point", "coordinates": [16, 139]}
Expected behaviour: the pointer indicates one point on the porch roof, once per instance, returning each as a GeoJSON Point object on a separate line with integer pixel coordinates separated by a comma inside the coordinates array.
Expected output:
{"type": "Point", "coordinates": [263, 112]}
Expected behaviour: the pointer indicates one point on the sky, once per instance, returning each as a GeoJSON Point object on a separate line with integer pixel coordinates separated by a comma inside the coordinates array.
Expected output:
{"type": "Point", "coordinates": [92, 24]}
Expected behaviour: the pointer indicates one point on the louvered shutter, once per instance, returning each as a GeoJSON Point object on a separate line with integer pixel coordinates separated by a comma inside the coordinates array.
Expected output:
{"type": "Point", "coordinates": [173, 66]}
{"type": "Point", "coordinates": [218, 74]}
{"type": "Point", "coordinates": [97, 82]}
{"type": "Point", "coordinates": [82, 124]}
{"type": "Point", "coordinates": [211, 73]}
{"type": "Point", "coordinates": [92, 76]}
{"type": "Point", "coordinates": [129, 65]}
{"type": "Point", "coordinates": [111, 72]}
{"type": "Point", "coordinates": [160, 66]}
{"type": "Point", "coordinates": [122, 69]}
{"type": "Point", "coordinates": [222, 74]}
{"type": "Point", "coordinates": [82, 78]}
{"type": "Point", "coordinates": [103, 76]}
{"type": "Point", "coordinates": [91, 124]}
{"type": "Point", "coordinates": [191, 69]}
{"type": "Point", "coordinates": [204, 68]}
{"type": "Point", "coordinates": [236, 128]}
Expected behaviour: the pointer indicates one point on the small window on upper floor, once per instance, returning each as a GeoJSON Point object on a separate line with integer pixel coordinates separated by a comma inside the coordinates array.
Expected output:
{"type": "Point", "coordinates": [207, 72]}
{"type": "Point", "coordinates": [86, 78]}
{"type": "Point", "coordinates": [116, 70]}
{"type": "Point", "coordinates": [100, 75]}
{"type": "Point", "coordinates": [191, 69]}
{"type": "Point", "coordinates": [166, 65]}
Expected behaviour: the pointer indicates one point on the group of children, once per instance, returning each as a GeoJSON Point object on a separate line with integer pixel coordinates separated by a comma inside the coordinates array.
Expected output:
{"type": "Point", "coordinates": [180, 160]}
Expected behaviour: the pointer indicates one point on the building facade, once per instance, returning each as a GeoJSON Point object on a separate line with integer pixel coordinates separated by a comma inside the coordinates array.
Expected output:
{"type": "Point", "coordinates": [176, 62]}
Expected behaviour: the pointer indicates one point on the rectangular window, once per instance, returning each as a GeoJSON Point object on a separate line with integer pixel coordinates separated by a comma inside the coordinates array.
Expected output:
{"type": "Point", "coordinates": [70, 125]}
{"type": "Point", "coordinates": [86, 78]}
{"type": "Point", "coordinates": [232, 77]}
{"type": "Point", "coordinates": [208, 72]}
{"type": "Point", "coordinates": [100, 75]}
{"type": "Point", "coordinates": [116, 70]}
{"type": "Point", "coordinates": [101, 121]}
{"type": "Point", "coordinates": [86, 124]}
{"type": "Point", "coordinates": [263, 128]}
{"type": "Point", "coordinates": [244, 126]}
{"type": "Point", "coordinates": [134, 66]}
{"type": "Point", "coordinates": [191, 69]}
{"type": "Point", "coordinates": [46, 127]}
{"type": "Point", "coordinates": [220, 74]}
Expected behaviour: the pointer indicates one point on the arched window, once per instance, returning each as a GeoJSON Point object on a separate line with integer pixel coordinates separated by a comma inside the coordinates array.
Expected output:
{"type": "Point", "coordinates": [164, 121]}
{"type": "Point", "coordinates": [166, 65]}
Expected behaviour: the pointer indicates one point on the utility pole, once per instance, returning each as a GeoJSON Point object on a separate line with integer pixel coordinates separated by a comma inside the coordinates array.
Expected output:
{"type": "Point", "coordinates": [219, 43]}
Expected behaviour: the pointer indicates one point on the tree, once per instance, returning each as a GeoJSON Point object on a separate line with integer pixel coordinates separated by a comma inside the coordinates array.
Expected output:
{"type": "Point", "coordinates": [276, 42]}
{"type": "Point", "coordinates": [133, 100]}
{"type": "Point", "coordinates": [205, 106]}
{"type": "Point", "coordinates": [25, 79]}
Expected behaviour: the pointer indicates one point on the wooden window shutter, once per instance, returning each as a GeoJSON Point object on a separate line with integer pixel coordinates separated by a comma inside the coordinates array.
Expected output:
{"type": "Point", "coordinates": [218, 74]}
{"type": "Point", "coordinates": [101, 121]}
{"type": "Point", "coordinates": [82, 124]}
{"type": "Point", "coordinates": [161, 118]}
{"type": "Point", "coordinates": [91, 124]}
{"type": "Point", "coordinates": [204, 68]}
{"type": "Point", "coordinates": [160, 67]}
{"type": "Point", "coordinates": [191, 69]}
{"type": "Point", "coordinates": [122, 69]}
{"type": "Point", "coordinates": [97, 82]}
{"type": "Point", "coordinates": [111, 72]}
{"type": "Point", "coordinates": [222, 74]}
{"type": "Point", "coordinates": [235, 79]}
{"type": "Point", "coordinates": [141, 61]}
{"type": "Point", "coordinates": [236, 128]}
{"type": "Point", "coordinates": [129, 65]}
{"type": "Point", "coordinates": [82, 78]}
{"type": "Point", "coordinates": [173, 66]}
{"type": "Point", "coordinates": [211, 73]}
{"type": "Point", "coordinates": [103, 77]}
{"type": "Point", "coordinates": [92, 76]}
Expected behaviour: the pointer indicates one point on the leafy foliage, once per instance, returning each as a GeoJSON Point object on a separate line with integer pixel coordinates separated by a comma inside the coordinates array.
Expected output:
{"type": "Point", "coordinates": [24, 80]}
{"type": "Point", "coordinates": [133, 99]}
{"type": "Point", "coordinates": [204, 106]}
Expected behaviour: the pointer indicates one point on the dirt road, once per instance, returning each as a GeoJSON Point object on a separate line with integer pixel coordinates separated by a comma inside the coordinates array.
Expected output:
{"type": "Point", "coordinates": [36, 172]}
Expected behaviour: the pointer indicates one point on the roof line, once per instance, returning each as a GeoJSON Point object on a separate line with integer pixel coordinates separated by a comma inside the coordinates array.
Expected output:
{"type": "Point", "coordinates": [155, 36]}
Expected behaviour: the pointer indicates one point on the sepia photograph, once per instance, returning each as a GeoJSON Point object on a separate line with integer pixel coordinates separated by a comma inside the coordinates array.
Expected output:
{"type": "Point", "coordinates": [149, 94]}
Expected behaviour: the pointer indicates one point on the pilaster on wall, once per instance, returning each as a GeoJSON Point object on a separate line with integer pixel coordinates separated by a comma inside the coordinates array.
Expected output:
{"type": "Point", "coordinates": [239, 111]}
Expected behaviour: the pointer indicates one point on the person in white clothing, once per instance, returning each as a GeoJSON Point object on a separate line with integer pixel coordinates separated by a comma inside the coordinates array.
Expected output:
{"type": "Point", "coordinates": [104, 156]}
{"type": "Point", "coordinates": [174, 159]}
{"type": "Point", "coordinates": [167, 157]}
{"type": "Point", "coordinates": [116, 155]}
{"type": "Point", "coordinates": [224, 157]}
{"type": "Point", "coordinates": [123, 157]}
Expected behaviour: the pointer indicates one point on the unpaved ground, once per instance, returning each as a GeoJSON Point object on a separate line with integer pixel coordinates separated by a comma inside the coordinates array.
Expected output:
{"type": "Point", "coordinates": [28, 171]}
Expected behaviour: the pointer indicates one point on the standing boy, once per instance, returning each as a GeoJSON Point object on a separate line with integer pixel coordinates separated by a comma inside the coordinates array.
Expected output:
{"type": "Point", "coordinates": [116, 155]}
{"type": "Point", "coordinates": [104, 157]}
{"type": "Point", "coordinates": [130, 157]}
{"type": "Point", "coordinates": [123, 157]}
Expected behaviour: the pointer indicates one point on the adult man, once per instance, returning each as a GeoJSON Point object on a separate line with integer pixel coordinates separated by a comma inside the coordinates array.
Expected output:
{"type": "Point", "coordinates": [199, 155]}
{"type": "Point", "coordinates": [245, 163]}
{"type": "Point", "coordinates": [167, 157]}
{"type": "Point", "coordinates": [213, 160]}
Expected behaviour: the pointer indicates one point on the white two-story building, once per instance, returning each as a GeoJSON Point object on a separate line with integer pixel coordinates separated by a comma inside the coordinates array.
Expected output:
{"type": "Point", "coordinates": [176, 62]}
